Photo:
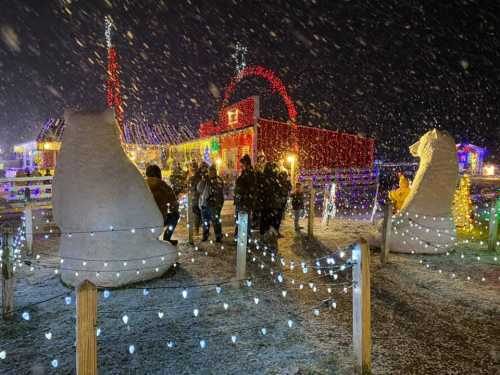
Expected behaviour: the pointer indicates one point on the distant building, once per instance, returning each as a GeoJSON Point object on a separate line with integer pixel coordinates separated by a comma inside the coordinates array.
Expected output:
{"type": "Point", "coordinates": [470, 158]}
{"type": "Point", "coordinates": [151, 145]}
{"type": "Point", "coordinates": [240, 130]}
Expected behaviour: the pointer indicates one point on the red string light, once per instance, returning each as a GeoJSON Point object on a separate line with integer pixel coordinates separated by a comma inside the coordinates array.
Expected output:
{"type": "Point", "coordinates": [113, 95]}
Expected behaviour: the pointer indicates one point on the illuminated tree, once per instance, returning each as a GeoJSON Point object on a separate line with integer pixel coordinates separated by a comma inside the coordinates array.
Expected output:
{"type": "Point", "coordinates": [462, 205]}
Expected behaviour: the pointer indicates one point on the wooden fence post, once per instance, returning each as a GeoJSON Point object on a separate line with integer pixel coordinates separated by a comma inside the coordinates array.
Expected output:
{"type": "Point", "coordinates": [241, 249]}
{"type": "Point", "coordinates": [8, 280]}
{"type": "Point", "coordinates": [361, 308]}
{"type": "Point", "coordinates": [86, 336]}
{"type": "Point", "coordinates": [386, 233]}
{"type": "Point", "coordinates": [375, 203]}
{"type": "Point", "coordinates": [493, 228]}
{"type": "Point", "coordinates": [28, 224]}
{"type": "Point", "coordinates": [310, 215]}
{"type": "Point", "coordinates": [190, 218]}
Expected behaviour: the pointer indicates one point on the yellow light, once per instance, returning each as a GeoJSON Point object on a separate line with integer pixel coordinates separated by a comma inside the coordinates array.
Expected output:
{"type": "Point", "coordinates": [291, 158]}
{"type": "Point", "coordinates": [218, 161]}
{"type": "Point", "coordinates": [18, 149]}
{"type": "Point", "coordinates": [489, 170]}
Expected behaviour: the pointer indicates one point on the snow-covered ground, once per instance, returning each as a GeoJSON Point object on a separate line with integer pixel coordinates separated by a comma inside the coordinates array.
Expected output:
{"type": "Point", "coordinates": [424, 321]}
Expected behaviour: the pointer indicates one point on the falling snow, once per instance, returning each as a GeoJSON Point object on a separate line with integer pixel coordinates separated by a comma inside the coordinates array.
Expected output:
{"type": "Point", "coordinates": [390, 69]}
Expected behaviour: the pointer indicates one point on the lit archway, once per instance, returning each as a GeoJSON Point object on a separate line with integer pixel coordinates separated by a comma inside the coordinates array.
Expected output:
{"type": "Point", "coordinates": [274, 81]}
{"type": "Point", "coordinates": [276, 85]}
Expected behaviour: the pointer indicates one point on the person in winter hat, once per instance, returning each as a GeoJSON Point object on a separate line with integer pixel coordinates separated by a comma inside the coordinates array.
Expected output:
{"type": "Point", "coordinates": [178, 179]}
{"type": "Point", "coordinates": [297, 204]}
{"type": "Point", "coordinates": [165, 199]}
{"type": "Point", "coordinates": [259, 186]}
{"type": "Point", "coordinates": [271, 199]}
{"type": "Point", "coordinates": [285, 188]}
{"type": "Point", "coordinates": [194, 179]}
{"type": "Point", "coordinates": [244, 191]}
{"type": "Point", "coordinates": [211, 189]}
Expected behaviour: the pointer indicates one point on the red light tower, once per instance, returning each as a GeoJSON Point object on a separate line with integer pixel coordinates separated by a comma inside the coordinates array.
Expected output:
{"type": "Point", "coordinates": [113, 96]}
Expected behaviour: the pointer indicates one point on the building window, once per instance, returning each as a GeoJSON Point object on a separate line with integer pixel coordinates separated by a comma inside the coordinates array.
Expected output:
{"type": "Point", "coordinates": [232, 117]}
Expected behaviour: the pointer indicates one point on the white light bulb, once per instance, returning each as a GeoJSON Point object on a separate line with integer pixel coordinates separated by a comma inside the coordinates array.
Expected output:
{"type": "Point", "coordinates": [290, 323]}
{"type": "Point", "coordinates": [54, 363]}
{"type": "Point", "coordinates": [145, 292]}
{"type": "Point", "coordinates": [131, 349]}
{"type": "Point", "coordinates": [26, 315]}
{"type": "Point", "coordinates": [256, 300]}
{"type": "Point", "coordinates": [203, 344]}
{"type": "Point", "coordinates": [125, 319]}
{"type": "Point", "coordinates": [184, 293]}
{"type": "Point", "coordinates": [160, 315]}
{"type": "Point", "coordinates": [3, 354]}
{"type": "Point", "coordinates": [48, 335]}
{"type": "Point", "coordinates": [226, 306]}
{"type": "Point", "coordinates": [196, 312]}
{"type": "Point", "coordinates": [233, 339]}
{"type": "Point", "coordinates": [106, 293]}
{"type": "Point", "coordinates": [263, 331]}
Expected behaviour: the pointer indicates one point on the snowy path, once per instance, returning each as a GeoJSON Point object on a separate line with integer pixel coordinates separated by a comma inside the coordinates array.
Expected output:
{"type": "Point", "coordinates": [423, 322]}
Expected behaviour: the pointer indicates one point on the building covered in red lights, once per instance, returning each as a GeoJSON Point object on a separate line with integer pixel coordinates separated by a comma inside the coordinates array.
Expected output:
{"type": "Point", "coordinates": [240, 130]}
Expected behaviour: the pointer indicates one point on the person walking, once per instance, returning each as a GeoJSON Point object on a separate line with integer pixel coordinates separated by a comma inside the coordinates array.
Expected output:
{"type": "Point", "coordinates": [244, 192]}
{"type": "Point", "coordinates": [259, 186]}
{"type": "Point", "coordinates": [165, 199]}
{"type": "Point", "coordinates": [211, 190]}
{"type": "Point", "coordinates": [285, 188]}
{"type": "Point", "coordinates": [271, 199]}
{"type": "Point", "coordinates": [297, 205]}
{"type": "Point", "coordinates": [194, 179]}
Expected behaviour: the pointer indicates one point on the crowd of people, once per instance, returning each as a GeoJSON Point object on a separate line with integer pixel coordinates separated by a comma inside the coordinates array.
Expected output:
{"type": "Point", "coordinates": [261, 191]}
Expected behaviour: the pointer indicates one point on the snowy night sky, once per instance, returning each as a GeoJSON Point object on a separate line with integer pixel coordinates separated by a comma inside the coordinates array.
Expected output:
{"type": "Point", "coordinates": [390, 69]}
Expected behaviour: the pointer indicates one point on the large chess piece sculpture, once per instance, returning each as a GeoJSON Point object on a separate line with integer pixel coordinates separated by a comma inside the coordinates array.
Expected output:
{"type": "Point", "coordinates": [106, 212]}
{"type": "Point", "coordinates": [424, 224]}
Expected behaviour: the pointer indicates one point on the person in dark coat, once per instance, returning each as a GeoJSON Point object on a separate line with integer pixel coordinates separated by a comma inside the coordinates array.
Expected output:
{"type": "Point", "coordinates": [259, 186]}
{"type": "Point", "coordinates": [165, 199]}
{"type": "Point", "coordinates": [211, 190]}
{"type": "Point", "coordinates": [244, 191]}
{"type": "Point", "coordinates": [178, 179]}
{"type": "Point", "coordinates": [271, 199]}
{"type": "Point", "coordinates": [194, 179]}
{"type": "Point", "coordinates": [285, 188]}
{"type": "Point", "coordinates": [297, 204]}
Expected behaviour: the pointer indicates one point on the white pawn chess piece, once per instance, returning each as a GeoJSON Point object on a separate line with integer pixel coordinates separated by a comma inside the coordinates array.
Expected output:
{"type": "Point", "coordinates": [104, 208]}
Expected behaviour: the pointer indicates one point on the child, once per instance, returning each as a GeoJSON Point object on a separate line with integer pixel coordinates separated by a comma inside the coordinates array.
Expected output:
{"type": "Point", "coordinates": [297, 204]}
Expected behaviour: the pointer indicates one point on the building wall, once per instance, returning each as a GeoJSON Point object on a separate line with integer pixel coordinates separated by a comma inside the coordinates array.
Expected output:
{"type": "Point", "coordinates": [318, 148]}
